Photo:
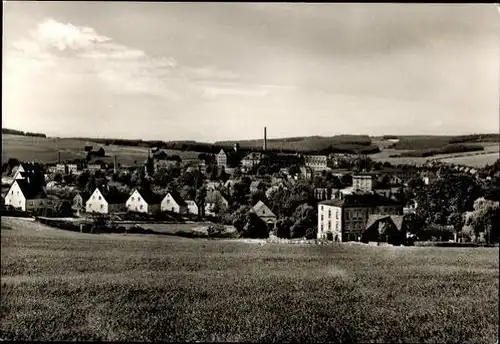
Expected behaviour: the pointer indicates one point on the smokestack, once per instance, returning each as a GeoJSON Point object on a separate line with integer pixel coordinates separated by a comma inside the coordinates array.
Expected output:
{"type": "Point", "coordinates": [115, 166]}
{"type": "Point", "coordinates": [59, 157]}
{"type": "Point", "coordinates": [265, 139]}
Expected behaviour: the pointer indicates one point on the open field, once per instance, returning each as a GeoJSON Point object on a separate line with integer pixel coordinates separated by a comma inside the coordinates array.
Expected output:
{"type": "Point", "coordinates": [58, 285]}
{"type": "Point", "coordinates": [477, 160]}
{"type": "Point", "coordinates": [473, 159]}
{"type": "Point", "coordinates": [45, 150]}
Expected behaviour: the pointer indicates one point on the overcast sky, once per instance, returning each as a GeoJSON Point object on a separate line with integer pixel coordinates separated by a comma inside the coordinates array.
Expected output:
{"type": "Point", "coordinates": [222, 71]}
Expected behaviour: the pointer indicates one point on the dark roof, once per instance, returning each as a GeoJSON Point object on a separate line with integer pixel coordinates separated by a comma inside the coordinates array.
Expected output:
{"type": "Point", "coordinates": [363, 200]}
{"type": "Point", "coordinates": [369, 174]}
{"type": "Point", "coordinates": [31, 190]}
{"type": "Point", "coordinates": [397, 220]}
{"type": "Point", "coordinates": [150, 197]}
{"type": "Point", "coordinates": [177, 198]}
{"type": "Point", "coordinates": [213, 196]}
{"type": "Point", "coordinates": [112, 196]}
{"type": "Point", "coordinates": [28, 166]}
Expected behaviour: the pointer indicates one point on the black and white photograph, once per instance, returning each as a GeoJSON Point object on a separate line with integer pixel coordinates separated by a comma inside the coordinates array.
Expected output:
{"type": "Point", "coordinates": [250, 172]}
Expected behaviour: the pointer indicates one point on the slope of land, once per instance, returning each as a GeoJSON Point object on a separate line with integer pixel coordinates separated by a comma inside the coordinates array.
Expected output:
{"type": "Point", "coordinates": [355, 143]}
{"type": "Point", "coordinates": [59, 285]}
{"type": "Point", "coordinates": [41, 149]}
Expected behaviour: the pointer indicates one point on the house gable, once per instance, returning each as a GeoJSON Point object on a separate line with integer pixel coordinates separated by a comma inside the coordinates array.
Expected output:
{"type": "Point", "coordinates": [15, 197]}
{"type": "Point", "coordinates": [97, 203]}
{"type": "Point", "coordinates": [136, 202]}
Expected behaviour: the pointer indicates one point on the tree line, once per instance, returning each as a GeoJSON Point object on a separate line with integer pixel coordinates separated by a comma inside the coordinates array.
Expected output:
{"type": "Point", "coordinates": [21, 133]}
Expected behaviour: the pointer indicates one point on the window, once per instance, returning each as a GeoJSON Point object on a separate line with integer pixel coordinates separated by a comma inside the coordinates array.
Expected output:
{"type": "Point", "coordinates": [18, 193]}
{"type": "Point", "coordinates": [337, 214]}
{"type": "Point", "coordinates": [138, 199]}
{"type": "Point", "coordinates": [140, 207]}
{"type": "Point", "coordinates": [336, 226]}
{"type": "Point", "coordinates": [99, 198]}
{"type": "Point", "coordinates": [329, 224]}
{"type": "Point", "coordinates": [321, 226]}
{"type": "Point", "coordinates": [93, 197]}
{"type": "Point", "coordinates": [132, 198]}
{"type": "Point", "coordinates": [168, 200]}
{"type": "Point", "coordinates": [329, 213]}
{"type": "Point", "coordinates": [102, 206]}
{"type": "Point", "coordinates": [321, 217]}
{"type": "Point", "coordinates": [321, 207]}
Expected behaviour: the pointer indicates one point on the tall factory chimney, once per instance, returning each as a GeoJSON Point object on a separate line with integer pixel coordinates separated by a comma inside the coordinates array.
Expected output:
{"type": "Point", "coordinates": [115, 166]}
{"type": "Point", "coordinates": [265, 139]}
{"type": "Point", "coordinates": [59, 157]}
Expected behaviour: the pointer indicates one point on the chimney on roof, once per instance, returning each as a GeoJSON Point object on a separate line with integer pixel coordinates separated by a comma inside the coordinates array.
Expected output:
{"type": "Point", "coordinates": [265, 139]}
{"type": "Point", "coordinates": [59, 157]}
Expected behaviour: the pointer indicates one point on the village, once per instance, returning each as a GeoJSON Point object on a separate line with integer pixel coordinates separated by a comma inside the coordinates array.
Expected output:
{"type": "Point", "coordinates": [327, 198]}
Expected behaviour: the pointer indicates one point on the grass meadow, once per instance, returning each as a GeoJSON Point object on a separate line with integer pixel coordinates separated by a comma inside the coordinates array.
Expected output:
{"type": "Point", "coordinates": [59, 285]}
{"type": "Point", "coordinates": [44, 150]}
{"type": "Point", "coordinates": [473, 159]}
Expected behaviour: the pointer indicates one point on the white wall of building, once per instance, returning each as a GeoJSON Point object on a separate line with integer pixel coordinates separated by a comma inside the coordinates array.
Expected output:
{"type": "Point", "coordinates": [15, 197]}
{"type": "Point", "coordinates": [329, 221]}
{"type": "Point", "coordinates": [136, 203]}
{"type": "Point", "coordinates": [96, 203]}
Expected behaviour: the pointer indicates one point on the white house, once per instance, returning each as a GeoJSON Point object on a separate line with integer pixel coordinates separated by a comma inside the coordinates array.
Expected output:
{"type": "Point", "coordinates": [98, 203]}
{"type": "Point", "coordinates": [215, 200]}
{"type": "Point", "coordinates": [192, 207]}
{"type": "Point", "coordinates": [173, 202]}
{"type": "Point", "coordinates": [143, 202]}
{"type": "Point", "coordinates": [25, 196]}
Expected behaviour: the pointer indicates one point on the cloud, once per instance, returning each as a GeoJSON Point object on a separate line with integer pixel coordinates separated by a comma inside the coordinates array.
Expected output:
{"type": "Point", "coordinates": [51, 33]}
{"type": "Point", "coordinates": [71, 49]}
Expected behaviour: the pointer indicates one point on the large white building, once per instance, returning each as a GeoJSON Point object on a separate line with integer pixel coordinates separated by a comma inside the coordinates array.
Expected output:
{"type": "Point", "coordinates": [222, 159]}
{"type": "Point", "coordinates": [345, 219]}
{"type": "Point", "coordinates": [363, 182]}
{"type": "Point", "coordinates": [317, 162]}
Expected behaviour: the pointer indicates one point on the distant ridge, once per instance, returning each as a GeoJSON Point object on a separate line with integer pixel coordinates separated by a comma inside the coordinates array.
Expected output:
{"type": "Point", "coordinates": [21, 133]}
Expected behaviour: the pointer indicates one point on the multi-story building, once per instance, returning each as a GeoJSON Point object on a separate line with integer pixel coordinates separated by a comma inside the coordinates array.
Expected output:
{"type": "Point", "coordinates": [317, 162]}
{"type": "Point", "coordinates": [222, 159]}
{"type": "Point", "coordinates": [251, 160]}
{"type": "Point", "coordinates": [345, 219]}
{"type": "Point", "coordinates": [164, 164]}
{"type": "Point", "coordinates": [322, 194]}
{"type": "Point", "coordinates": [94, 167]}
{"type": "Point", "coordinates": [364, 182]}
{"type": "Point", "coordinates": [337, 160]}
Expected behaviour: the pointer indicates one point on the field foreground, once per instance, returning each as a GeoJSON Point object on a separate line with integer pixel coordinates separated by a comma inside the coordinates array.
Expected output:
{"type": "Point", "coordinates": [59, 285]}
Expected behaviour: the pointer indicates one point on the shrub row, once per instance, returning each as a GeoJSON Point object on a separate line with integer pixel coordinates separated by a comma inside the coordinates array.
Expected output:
{"type": "Point", "coordinates": [448, 149]}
